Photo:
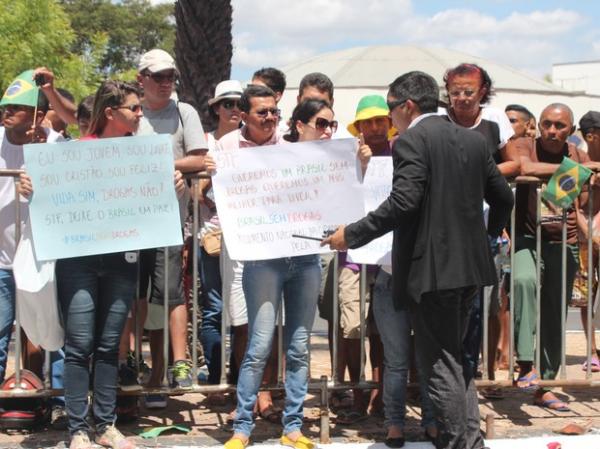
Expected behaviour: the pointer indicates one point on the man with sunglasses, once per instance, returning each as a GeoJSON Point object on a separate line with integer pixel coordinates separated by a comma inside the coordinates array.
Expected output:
{"type": "Point", "coordinates": [164, 115]}
{"type": "Point", "coordinates": [440, 256]}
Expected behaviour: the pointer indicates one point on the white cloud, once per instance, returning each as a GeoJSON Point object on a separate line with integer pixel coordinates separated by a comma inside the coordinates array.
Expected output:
{"type": "Point", "coordinates": [276, 32]}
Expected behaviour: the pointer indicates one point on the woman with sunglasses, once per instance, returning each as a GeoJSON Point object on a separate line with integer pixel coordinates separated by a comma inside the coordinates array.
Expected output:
{"type": "Point", "coordinates": [95, 293]}
{"type": "Point", "coordinates": [224, 109]}
{"type": "Point", "coordinates": [296, 281]}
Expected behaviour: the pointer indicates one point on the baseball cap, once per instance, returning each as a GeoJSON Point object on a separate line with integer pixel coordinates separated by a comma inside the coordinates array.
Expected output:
{"type": "Point", "coordinates": [156, 60]}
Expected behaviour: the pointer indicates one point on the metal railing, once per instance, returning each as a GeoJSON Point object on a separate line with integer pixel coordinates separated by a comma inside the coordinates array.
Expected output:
{"type": "Point", "coordinates": [325, 384]}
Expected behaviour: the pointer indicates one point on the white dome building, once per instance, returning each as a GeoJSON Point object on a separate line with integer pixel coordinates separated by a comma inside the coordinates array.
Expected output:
{"type": "Point", "coordinates": [360, 71]}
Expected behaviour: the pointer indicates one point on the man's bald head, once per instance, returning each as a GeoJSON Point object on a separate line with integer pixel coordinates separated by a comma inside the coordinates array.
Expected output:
{"type": "Point", "coordinates": [556, 125]}
{"type": "Point", "coordinates": [559, 106]}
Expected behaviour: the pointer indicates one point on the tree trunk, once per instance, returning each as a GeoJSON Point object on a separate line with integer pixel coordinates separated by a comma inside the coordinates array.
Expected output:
{"type": "Point", "coordinates": [203, 51]}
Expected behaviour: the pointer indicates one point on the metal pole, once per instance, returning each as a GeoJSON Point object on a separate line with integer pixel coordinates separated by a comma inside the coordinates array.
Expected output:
{"type": "Point", "coordinates": [280, 344]}
{"type": "Point", "coordinates": [511, 300]}
{"type": "Point", "coordinates": [590, 279]}
{"type": "Point", "coordinates": [166, 318]}
{"type": "Point", "coordinates": [538, 279]}
{"type": "Point", "coordinates": [195, 188]}
{"type": "Point", "coordinates": [362, 307]}
{"type": "Point", "coordinates": [485, 319]}
{"type": "Point", "coordinates": [563, 298]}
{"type": "Point", "coordinates": [334, 324]}
{"type": "Point", "coordinates": [48, 369]}
{"type": "Point", "coordinates": [324, 412]}
{"type": "Point", "coordinates": [18, 341]}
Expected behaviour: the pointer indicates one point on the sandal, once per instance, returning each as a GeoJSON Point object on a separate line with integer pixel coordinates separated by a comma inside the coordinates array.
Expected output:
{"type": "Point", "coordinates": [301, 443]}
{"type": "Point", "coordinates": [271, 414]}
{"type": "Point", "coordinates": [528, 382]}
{"type": "Point", "coordinates": [350, 417]}
{"type": "Point", "coordinates": [594, 365]}
{"type": "Point", "coordinates": [551, 403]}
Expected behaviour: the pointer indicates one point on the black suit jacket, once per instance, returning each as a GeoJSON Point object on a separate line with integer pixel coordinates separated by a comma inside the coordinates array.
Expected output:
{"type": "Point", "coordinates": [442, 173]}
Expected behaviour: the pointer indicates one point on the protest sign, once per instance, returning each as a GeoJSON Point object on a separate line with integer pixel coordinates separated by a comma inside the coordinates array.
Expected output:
{"type": "Point", "coordinates": [102, 196]}
{"type": "Point", "coordinates": [267, 194]}
{"type": "Point", "coordinates": [377, 186]}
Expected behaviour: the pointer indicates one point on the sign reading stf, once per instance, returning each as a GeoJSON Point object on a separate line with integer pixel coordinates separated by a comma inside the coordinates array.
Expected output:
{"type": "Point", "coordinates": [102, 196]}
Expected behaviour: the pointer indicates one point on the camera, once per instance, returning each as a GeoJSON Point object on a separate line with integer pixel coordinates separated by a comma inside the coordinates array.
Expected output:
{"type": "Point", "coordinates": [40, 79]}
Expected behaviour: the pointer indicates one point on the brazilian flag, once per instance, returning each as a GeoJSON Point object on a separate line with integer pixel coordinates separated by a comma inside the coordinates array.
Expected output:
{"type": "Point", "coordinates": [566, 183]}
{"type": "Point", "coordinates": [22, 91]}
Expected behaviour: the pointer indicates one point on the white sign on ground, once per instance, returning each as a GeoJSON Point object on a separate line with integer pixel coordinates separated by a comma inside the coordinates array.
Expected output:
{"type": "Point", "coordinates": [266, 195]}
{"type": "Point", "coordinates": [377, 187]}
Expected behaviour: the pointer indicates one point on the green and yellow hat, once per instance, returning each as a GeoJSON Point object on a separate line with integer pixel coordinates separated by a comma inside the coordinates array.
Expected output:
{"type": "Point", "coordinates": [22, 90]}
{"type": "Point", "coordinates": [368, 107]}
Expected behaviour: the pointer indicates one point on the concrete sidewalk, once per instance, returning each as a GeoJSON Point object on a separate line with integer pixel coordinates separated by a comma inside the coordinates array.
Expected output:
{"type": "Point", "coordinates": [515, 416]}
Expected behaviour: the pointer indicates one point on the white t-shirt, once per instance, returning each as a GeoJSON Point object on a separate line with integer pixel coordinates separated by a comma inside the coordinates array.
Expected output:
{"type": "Point", "coordinates": [11, 158]}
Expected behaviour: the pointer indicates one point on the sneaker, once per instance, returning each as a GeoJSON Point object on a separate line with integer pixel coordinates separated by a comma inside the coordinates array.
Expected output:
{"type": "Point", "coordinates": [145, 370]}
{"type": "Point", "coordinates": [111, 437]}
{"type": "Point", "coordinates": [128, 379]}
{"type": "Point", "coordinates": [58, 418]}
{"type": "Point", "coordinates": [80, 440]}
{"type": "Point", "coordinates": [182, 375]}
{"type": "Point", "coordinates": [155, 400]}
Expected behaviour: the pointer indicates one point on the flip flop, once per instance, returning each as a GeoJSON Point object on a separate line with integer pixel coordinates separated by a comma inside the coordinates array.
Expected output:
{"type": "Point", "coordinates": [529, 382]}
{"type": "Point", "coordinates": [553, 404]}
{"type": "Point", "coordinates": [595, 365]}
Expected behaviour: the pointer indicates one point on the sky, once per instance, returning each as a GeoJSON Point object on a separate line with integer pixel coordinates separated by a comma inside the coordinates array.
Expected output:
{"type": "Point", "coordinates": [527, 35]}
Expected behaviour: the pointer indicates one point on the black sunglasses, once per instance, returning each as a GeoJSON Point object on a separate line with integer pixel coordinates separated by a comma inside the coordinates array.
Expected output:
{"type": "Point", "coordinates": [230, 104]}
{"type": "Point", "coordinates": [265, 112]}
{"type": "Point", "coordinates": [321, 124]}
{"type": "Point", "coordinates": [394, 104]}
{"type": "Point", "coordinates": [131, 107]}
{"type": "Point", "coordinates": [161, 77]}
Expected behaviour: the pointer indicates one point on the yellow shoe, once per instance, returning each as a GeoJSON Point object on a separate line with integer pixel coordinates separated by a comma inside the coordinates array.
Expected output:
{"type": "Point", "coordinates": [301, 443]}
{"type": "Point", "coordinates": [236, 443]}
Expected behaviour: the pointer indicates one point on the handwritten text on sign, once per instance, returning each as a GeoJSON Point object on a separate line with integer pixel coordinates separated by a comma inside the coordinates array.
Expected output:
{"type": "Point", "coordinates": [102, 196]}
{"type": "Point", "coordinates": [266, 194]}
{"type": "Point", "coordinates": [377, 185]}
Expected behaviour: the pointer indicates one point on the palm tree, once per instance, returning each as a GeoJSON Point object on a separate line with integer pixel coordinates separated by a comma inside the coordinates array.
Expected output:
{"type": "Point", "coordinates": [203, 50]}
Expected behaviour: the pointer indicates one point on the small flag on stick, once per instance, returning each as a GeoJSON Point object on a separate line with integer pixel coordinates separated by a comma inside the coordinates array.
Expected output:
{"type": "Point", "coordinates": [22, 91]}
{"type": "Point", "coordinates": [566, 183]}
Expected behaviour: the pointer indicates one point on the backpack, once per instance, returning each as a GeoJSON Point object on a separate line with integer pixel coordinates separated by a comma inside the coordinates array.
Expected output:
{"type": "Point", "coordinates": [23, 413]}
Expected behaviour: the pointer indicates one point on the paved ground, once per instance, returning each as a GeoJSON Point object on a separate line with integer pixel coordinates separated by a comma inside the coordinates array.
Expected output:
{"type": "Point", "coordinates": [514, 416]}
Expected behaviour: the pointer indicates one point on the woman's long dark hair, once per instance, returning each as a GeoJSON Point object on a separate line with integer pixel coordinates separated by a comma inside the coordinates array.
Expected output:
{"type": "Point", "coordinates": [110, 94]}
{"type": "Point", "coordinates": [304, 112]}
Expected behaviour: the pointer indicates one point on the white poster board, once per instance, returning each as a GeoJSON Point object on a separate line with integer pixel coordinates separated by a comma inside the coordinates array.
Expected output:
{"type": "Point", "coordinates": [264, 195]}
{"type": "Point", "coordinates": [377, 186]}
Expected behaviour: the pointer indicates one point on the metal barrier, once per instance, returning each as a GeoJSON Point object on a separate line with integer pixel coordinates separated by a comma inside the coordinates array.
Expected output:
{"type": "Point", "coordinates": [325, 385]}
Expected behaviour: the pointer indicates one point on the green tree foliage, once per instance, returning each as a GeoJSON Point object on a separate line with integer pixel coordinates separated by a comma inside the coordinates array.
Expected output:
{"type": "Point", "coordinates": [38, 33]}
{"type": "Point", "coordinates": [132, 26]}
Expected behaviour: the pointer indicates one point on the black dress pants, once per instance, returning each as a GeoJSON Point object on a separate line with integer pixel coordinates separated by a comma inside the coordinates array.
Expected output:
{"type": "Point", "coordinates": [440, 322]}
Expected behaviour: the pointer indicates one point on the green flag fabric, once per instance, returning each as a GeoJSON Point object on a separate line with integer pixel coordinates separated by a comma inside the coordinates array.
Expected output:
{"type": "Point", "coordinates": [566, 183]}
{"type": "Point", "coordinates": [154, 432]}
{"type": "Point", "coordinates": [22, 91]}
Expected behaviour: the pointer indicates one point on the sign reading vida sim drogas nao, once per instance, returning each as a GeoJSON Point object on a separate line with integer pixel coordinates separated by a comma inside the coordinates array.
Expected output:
{"type": "Point", "coordinates": [102, 196]}
{"type": "Point", "coordinates": [266, 195]}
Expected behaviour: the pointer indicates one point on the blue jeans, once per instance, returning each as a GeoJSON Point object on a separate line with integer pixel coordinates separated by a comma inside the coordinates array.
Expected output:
{"type": "Point", "coordinates": [95, 293]}
{"type": "Point", "coordinates": [212, 308]}
{"type": "Point", "coordinates": [57, 369]}
{"type": "Point", "coordinates": [394, 329]}
{"type": "Point", "coordinates": [7, 316]}
{"type": "Point", "coordinates": [264, 282]}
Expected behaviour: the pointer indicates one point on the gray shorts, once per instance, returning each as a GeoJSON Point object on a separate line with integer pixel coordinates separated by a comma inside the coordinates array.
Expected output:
{"type": "Point", "coordinates": [152, 275]}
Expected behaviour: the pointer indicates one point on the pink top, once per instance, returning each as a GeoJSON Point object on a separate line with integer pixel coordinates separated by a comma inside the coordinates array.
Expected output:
{"type": "Point", "coordinates": [237, 139]}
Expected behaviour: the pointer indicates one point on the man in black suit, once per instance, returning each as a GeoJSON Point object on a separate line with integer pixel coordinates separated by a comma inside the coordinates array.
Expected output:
{"type": "Point", "coordinates": [441, 256]}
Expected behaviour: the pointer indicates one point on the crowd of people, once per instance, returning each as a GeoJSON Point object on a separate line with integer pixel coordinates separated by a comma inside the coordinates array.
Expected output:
{"type": "Point", "coordinates": [425, 313]}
